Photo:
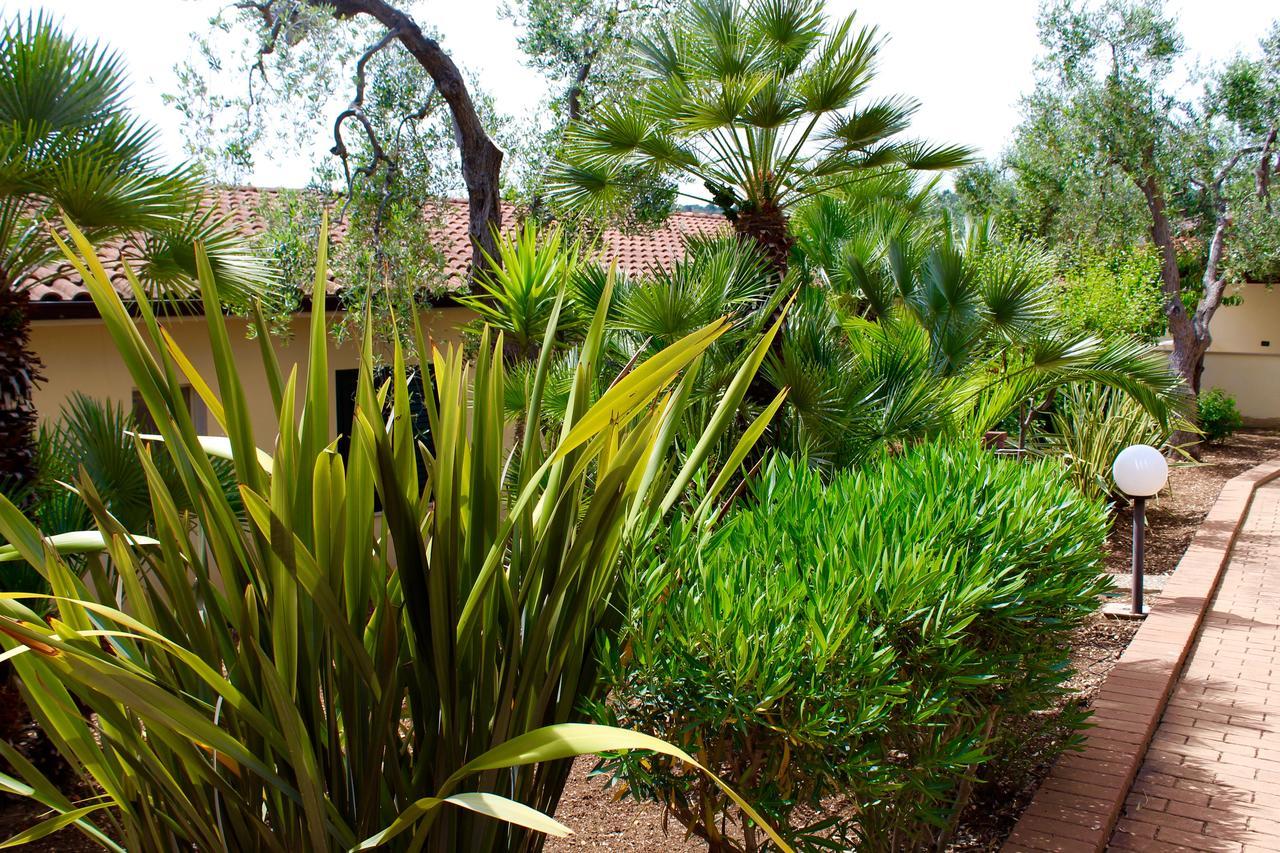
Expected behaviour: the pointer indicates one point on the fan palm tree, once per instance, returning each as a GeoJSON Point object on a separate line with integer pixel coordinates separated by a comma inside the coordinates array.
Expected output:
{"type": "Point", "coordinates": [918, 330]}
{"type": "Point", "coordinates": [68, 144]}
{"type": "Point", "coordinates": [755, 100]}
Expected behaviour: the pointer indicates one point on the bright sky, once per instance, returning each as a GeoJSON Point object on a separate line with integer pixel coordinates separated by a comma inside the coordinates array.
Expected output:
{"type": "Point", "coordinates": [967, 62]}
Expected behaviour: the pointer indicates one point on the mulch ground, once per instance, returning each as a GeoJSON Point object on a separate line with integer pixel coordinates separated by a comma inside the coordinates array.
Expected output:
{"type": "Point", "coordinates": [602, 821]}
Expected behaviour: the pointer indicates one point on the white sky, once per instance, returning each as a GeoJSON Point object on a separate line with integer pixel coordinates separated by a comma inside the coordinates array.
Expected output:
{"type": "Point", "coordinates": [967, 62]}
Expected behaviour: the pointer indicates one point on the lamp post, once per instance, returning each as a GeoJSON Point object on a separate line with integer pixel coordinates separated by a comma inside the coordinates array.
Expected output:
{"type": "Point", "coordinates": [1140, 471]}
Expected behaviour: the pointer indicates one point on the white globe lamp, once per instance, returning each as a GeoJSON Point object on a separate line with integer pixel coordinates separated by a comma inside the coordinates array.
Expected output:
{"type": "Point", "coordinates": [1140, 471]}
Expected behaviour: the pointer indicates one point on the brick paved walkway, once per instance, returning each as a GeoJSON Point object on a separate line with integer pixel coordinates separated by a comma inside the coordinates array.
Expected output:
{"type": "Point", "coordinates": [1211, 778]}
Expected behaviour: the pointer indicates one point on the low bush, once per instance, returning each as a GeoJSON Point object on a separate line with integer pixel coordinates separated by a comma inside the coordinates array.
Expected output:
{"type": "Point", "coordinates": [1217, 415]}
{"type": "Point", "coordinates": [851, 653]}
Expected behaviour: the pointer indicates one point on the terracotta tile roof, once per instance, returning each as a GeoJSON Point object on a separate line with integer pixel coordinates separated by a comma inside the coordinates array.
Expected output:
{"type": "Point", "coordinates": [634, 252]}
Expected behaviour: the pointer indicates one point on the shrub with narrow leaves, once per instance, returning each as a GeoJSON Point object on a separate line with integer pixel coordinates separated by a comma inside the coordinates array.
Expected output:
{"type": "Point", "coordinates": [848, 653]}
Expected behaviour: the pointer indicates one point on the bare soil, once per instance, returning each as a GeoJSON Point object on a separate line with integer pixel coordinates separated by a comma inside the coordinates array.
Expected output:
{"type": "Point", "coordinates": [603, 821]}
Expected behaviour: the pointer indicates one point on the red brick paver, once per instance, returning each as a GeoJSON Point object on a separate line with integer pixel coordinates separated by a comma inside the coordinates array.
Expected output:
{"type": "Point", "coordinates": [1097, 798]}
{"type": "Point", "coordinates": [1211, 777]}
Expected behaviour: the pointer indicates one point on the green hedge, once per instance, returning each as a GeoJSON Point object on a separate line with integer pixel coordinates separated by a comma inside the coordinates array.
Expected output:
{"type": "Point", "coordinates": [1114, 293]}
{"type": "Point", "coordinates": [866, 638]}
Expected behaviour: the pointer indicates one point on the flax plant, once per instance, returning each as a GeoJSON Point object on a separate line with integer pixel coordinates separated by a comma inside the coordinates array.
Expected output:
{"type": "Point", "coordinates": [312, 676]}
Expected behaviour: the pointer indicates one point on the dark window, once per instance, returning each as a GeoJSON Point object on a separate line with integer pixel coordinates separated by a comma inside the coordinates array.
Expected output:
{"type": "Point", "coordinates": [345, 384]}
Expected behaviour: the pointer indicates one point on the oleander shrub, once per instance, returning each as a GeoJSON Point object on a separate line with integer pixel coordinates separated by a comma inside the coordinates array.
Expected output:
{"type": "Point", "coordinates": [851, 653]}
{"type": "Point", "coordinates": [1217, 415]}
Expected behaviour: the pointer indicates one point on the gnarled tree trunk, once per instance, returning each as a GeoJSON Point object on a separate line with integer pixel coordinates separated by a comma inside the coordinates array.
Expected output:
{"type": "Point", "coordinates": [481, 158]}
{"type": "Point", "coordinates": [1188, 331]}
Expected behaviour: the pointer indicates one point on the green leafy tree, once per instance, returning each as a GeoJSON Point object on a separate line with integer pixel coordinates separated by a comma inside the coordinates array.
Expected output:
{"type": "Point", "coordinates": [68, 144]}
{"type": "Point", "coordinates": [581, 47]}
{"type": "Point", "coordinates": [414, 127]}
{"type": "Point", "coordinates": [1109, 153]}
{"type": "Point", "coordinates": [756, 102]}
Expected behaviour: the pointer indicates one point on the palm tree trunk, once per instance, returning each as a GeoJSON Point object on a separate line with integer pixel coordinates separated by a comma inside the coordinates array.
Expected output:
{"type": "Point", "coordinates": [768, 227]}
{"type": "Point", "coordinates": [19, 373]}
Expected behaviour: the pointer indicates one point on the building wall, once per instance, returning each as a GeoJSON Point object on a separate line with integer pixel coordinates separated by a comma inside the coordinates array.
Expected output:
{"type": "Point", "coordinates": [79, 355]}
{"type": "Point", "coordinates": [1244, 358]}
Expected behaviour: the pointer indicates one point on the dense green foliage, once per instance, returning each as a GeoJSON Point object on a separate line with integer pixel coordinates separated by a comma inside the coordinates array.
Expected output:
{"type": "Point", "coordinates": [92, 439]}
{"type": "Point", "coordinates": [308, 676]}
{"type": "Point", "coordinates": [902, 328]}
{"type": "Point", "coordinates": [928, 330]}
{"type": "Point", "coordinates": [1126, 140]}
{"type": "Point", "coordinates": [1217, 415]}
{"type": "Point", "coordinates": [734, 95]}
{"type": "Point", "coordinates": [1113, 294]}
{"type": "Point", "coordinates": [866, 637]}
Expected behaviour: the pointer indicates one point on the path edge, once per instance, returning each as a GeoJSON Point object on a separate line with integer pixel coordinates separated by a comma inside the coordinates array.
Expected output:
{"type": "Point", "coordinates": [1076, 807]}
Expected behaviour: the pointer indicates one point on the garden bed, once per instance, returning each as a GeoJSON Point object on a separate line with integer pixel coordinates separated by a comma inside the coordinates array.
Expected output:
{"type": "Point", "coordinates": [603, 822]}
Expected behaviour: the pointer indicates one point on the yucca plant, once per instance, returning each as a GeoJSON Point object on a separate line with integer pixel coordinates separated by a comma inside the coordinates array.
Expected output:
{"type": "Point", "coordinates": [518, 289]}
{"type": "Point", "coordinates": [317, 678]}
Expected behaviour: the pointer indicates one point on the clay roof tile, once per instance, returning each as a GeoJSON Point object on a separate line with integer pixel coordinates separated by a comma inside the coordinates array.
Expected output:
{"type": "Point", "coordinates": [635, 253]}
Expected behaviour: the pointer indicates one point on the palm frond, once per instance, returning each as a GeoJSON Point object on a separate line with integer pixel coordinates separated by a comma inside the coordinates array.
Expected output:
{"type": "Point", "coordinates": [862, 128]}
{"type": "Point", "coordinates": [51, 81]}
{"type": "Point", "coordinates": [167, 260]}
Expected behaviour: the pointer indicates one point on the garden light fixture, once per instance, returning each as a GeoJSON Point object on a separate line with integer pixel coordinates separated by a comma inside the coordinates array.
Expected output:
{"type": "Point", "coordinates": [1140, 471]}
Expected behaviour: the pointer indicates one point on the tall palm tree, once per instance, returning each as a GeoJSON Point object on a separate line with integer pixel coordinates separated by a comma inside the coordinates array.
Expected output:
{"type": "Point", "coordinates": [69, 146]}
{"type": "Point", "coordinates": [755, 100]}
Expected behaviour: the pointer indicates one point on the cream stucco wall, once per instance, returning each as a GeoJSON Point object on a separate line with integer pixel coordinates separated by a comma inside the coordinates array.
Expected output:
{"type": "Point", "coordinates": [78, 355]}
{"type": "Point", "coordinates": [1244, 358]}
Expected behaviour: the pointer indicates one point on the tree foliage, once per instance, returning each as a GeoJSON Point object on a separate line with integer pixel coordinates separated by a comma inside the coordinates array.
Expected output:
{"type": "Point", "coordinates": [581, 48]}
{"type": "Point", "coordinates": [1114, 149]}
{"type": "Point", "coordinates": [761, 104]}
{"type": "Point", "coordinates": [404, 126]}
